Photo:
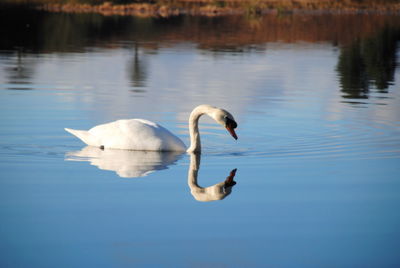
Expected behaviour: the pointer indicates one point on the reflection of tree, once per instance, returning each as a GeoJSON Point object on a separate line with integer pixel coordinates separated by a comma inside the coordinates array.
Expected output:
{"type": "Point", "coordinates": [137, 70]}
{"type": "Point", "coordinates": [380, 57]}
{"type": "Point", "coordinates": [351, 68]}
{"type": "Point", "coordinates": [368, 62]}
{"type": "Point", "coordinates": [21, 72]}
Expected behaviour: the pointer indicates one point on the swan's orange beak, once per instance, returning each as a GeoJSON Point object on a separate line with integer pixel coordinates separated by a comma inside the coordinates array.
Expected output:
{"type": "Point", "coordinates": [232, 132]}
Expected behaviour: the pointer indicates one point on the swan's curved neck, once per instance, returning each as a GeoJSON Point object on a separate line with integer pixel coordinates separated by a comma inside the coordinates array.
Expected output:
{"type": "Point", "coordinates": [195, 144]}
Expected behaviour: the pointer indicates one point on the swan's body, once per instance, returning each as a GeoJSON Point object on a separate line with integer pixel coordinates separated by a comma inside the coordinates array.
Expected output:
{"type": "Point", "coordinates": [143, 135]}
{"type": "Point", "coordinates": [132, 134]}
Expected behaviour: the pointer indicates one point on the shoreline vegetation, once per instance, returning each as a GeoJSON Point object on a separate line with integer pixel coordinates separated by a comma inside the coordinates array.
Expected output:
{"type": "Point", "coordinates": [168, 8]}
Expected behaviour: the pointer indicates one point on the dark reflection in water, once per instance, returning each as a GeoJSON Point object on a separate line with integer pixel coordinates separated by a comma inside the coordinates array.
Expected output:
{"type": "Point", "coordinates": [368, 43]}
{"type": "Point", "coordinates": [369, 62]}
{"type": "Point", "coordinates": [20, 71]}
{"type": "Point", "coordinates": [38, 31]}
{"type": "Point", "coordinates": [138, 70]}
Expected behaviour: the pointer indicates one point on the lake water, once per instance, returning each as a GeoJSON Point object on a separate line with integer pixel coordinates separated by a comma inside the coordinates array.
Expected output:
{"type": "Point", "coordinates": [317, 101]}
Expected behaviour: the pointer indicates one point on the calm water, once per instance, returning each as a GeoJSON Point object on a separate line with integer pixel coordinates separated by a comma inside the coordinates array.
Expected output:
{"type": "Point", "coordinates": [317, 100]}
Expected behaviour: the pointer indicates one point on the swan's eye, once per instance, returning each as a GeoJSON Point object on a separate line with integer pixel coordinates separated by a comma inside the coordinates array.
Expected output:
{"type": "Point", "coordinates": [229, 122]}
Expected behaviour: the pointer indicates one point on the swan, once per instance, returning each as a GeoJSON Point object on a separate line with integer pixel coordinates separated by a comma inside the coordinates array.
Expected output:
{"type": "Point", "coordinates": [144, 135]}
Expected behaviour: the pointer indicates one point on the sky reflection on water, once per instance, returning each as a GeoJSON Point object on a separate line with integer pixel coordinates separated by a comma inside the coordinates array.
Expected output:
{"type": "Point", "coordinates": [317, 159]}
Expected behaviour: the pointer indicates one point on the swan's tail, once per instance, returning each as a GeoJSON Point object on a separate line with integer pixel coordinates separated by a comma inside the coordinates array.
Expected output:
{"type": "Point", "coordinates": [83, 135]}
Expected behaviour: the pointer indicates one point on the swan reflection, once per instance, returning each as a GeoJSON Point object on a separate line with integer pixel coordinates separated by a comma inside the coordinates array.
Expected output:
{"type": "Point", "coordinates": [212, 193]}
{"type": "Point", "coordinates": [132, 164]}
{"type": "Point", "coordinates": [127, 164]}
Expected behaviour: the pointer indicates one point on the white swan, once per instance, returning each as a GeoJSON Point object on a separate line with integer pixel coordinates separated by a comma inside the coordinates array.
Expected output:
{"type": "Point", "coordinates": [143, 135]}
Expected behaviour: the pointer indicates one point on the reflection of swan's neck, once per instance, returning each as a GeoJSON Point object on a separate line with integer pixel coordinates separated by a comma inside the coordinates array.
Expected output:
{"type": "Point", "coordinates": [205, 194]}
{"type": "Point", "coordinates": [193, 170]}
{"type": "Point", "coordinates": [195, 144]}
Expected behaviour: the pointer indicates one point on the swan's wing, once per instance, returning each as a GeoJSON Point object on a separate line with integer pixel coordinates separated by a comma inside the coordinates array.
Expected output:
{"type": "Point", "coordinates": [136, 134]}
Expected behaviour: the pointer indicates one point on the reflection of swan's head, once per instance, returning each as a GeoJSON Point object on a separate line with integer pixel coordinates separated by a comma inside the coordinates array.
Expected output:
{"type": "Point", "coordinates": [225, 119]}
{"type": "Point", "coordinates": [212, 193]}
{"type": "Point", "coordinates": [127, 164]}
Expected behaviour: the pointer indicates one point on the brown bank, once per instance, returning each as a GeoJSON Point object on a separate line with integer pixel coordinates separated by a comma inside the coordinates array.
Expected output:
{"type": "Point", "coordinates": [165, 8]}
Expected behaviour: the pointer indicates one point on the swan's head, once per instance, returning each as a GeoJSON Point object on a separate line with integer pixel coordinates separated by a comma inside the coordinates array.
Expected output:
{"type": "Point", "coordinates": [226, 120]}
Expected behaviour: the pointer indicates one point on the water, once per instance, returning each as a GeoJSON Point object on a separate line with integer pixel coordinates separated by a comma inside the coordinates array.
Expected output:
{"type": "Point", "coordinates": [317, 101]}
